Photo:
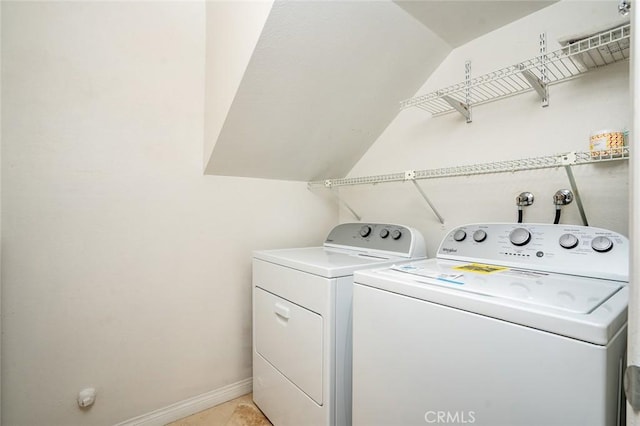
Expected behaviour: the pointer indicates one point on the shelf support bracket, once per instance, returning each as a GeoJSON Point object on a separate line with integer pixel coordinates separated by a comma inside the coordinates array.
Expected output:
{"type": "Point", "coordinates": [543, 69]}
{"type": "Point", "coordinates": [328, 184]}
{"type": "Point", "coordinates": [538, 85]}
{"type": "Point", "coordinates": [467, 90]}
{"type": "Point", "coordinates": [461, 107]}
{"type": "Point", "coordinates": [567, 160]}
{"type": "Point", "coordinates": [411, 175]}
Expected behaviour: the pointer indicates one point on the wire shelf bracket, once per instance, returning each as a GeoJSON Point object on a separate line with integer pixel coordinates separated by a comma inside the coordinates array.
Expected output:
{"type": "Point", "coordinates": [411, 176]}
{"type": "Point", "coordinates": [539, 84]}
{"type": "Point", "coordinates": [567, 160]}
{"type": "Point", "coordinates": [328, 184]}
{"type": "Point", "coordinates": [424, 195]}
{"type": "Point", "coordinates": [461, 107]}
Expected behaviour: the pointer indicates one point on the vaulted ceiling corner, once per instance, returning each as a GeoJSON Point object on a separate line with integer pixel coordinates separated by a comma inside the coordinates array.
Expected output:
{"type": "Point", "coordinates": [325, 79]}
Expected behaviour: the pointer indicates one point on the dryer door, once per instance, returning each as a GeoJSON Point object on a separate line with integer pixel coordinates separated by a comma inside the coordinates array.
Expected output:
{"type": "Point", "coordinates": [289, 337]}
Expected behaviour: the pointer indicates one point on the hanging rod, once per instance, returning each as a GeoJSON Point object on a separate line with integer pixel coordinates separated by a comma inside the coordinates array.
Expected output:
{"type": "Point", "coordinates": [534, 163]}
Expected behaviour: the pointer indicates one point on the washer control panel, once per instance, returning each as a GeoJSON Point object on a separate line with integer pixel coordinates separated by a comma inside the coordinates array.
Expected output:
{"type": "Point", "coordinates": [568, 249]}
{"type": "Point", "coordinates": [398, 240]}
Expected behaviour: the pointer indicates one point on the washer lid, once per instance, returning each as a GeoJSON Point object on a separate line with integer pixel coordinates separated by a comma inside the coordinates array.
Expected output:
{"type": "Point", "coordinates": [326, 262]}
{"type": "Point", "coordinates": [588, 309]}
{"type": "Point", "coordinates": [557, 291]}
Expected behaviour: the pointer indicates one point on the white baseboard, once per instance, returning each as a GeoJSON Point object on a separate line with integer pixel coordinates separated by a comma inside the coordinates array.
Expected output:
{"type": "Point", "coordinates": [190, 406]}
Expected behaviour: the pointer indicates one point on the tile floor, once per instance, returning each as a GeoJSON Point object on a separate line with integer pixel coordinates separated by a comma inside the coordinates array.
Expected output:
{"type": "Point", "coordinates": [237, 412]}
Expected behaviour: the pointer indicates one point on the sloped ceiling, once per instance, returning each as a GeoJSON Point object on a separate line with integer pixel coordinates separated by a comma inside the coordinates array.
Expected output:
{"type": "Point", "coordinates": [326, 78]}
{"type": "Point", "coordinates": [458, 22]}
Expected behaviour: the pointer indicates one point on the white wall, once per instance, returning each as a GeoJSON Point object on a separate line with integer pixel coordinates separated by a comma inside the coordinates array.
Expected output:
{"type": "Point", "coordinates": [232, 30]}
{"type": "Point", "coordinates": [123, 267]}
{"type": "Point", "coordinates": [514, 128]}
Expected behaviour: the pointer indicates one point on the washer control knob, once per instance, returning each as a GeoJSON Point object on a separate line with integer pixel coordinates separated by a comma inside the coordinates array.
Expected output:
{"type": "Point", "coordinates": [365, 231]}
{"type": "Point", "coordinates": [396, 234]}
{"type": "Point", "coordinates": [479, 236]}
{"type": "Point", "coordinates": [601, 244]}
{"type": "Point", "coordinates": [519, 237]}
{"type": "Point", "coordinates": [568, 241]}
{"type": "Point", "coordinates": [459, 235]}
{"type": "Point", "coordinates": [384, 233]}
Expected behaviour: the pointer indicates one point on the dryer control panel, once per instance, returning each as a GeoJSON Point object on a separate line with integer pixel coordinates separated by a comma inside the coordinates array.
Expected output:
{"type": "Point", "coordinates": [567, 249]}
{"type": "Point", "coordinates": [383, 238]}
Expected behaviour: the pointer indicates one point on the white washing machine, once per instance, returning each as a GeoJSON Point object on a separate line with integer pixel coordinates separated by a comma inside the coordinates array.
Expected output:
{"type": "Point", "coordinates": [510, 325]}
{"type": "Point", "coordinates": [302, 320]}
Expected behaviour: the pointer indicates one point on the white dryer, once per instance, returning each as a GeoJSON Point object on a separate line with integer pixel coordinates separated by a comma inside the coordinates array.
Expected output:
{"type": "Point", "coordinates": [511, 325]}
{"type": "Point", "coordinates": [302, 320]}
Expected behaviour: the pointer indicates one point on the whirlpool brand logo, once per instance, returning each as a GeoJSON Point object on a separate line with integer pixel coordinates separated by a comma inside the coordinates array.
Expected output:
{"type": "Point", "coordinates": [450, 417]}
{"type": "Point", "coordinates": [449, 250]}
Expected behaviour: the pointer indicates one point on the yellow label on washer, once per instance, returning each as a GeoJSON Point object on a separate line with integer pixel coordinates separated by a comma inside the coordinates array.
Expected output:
{"type": "Point", "coordinates": [479, 268]}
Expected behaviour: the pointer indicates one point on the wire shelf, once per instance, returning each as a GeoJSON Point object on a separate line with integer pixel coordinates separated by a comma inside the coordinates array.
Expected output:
{"type": "Point", "coordinates": [534, 163]}
{"type": "Point", "coordinates": [566, 63]}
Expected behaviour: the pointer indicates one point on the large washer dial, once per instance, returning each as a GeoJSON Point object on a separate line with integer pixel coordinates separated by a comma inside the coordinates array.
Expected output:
{"type": "Point", "coordinates": [519, 237]}
{"type": "Point", "coordinates": [479, 236]}
{"type": "Point", "coordinates": [601, 244]}
{"type": "Point", "coordinates": [365, 231]}
{"type": "Point", "coordinates": [568, 241]}
{"type": "Point", "coordinates": [459, 235]}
